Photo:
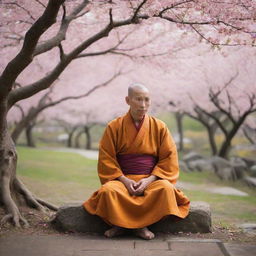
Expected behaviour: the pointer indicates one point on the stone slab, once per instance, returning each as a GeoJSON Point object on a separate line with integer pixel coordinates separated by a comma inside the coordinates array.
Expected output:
{"type": "Point", "coordinates": [241, 249]}
{"type": "Point", "coordinates": [192, 248]}
{"type": "Point", "coordinates": [81, 245]}
{"type": "Point", "coordinates": [249, 228]}
{"type": "Point", "coordinates": [151, 245]}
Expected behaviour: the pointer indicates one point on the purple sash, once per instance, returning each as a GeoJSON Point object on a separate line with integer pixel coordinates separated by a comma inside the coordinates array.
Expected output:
{"type": "Point", "coordinates": [136, 163]}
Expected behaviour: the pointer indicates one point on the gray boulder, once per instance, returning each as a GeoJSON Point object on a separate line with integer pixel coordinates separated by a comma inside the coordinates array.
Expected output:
{"type": "Point", "coordinates": [253, 171]}
{"type": "Point", "coordinates": [75, 218]}
{"type": "Point", "coordinates": [201, 165]}
{"type": "Point", "coordinates": [219, 163]}
{"type": "Point", "coordinates": [249, 162]}
{"type": "Point", "coordinates": [239, 162]}
{"type": "Point", "coordinates": [191, 156]}
{"type": "Point", "coordinates": [228, 170]}
{"type": "Point", "coordinates": [227, 173]}
{"type": "Point", "coordinates": [223, 168]}
{"type": "Point", "coordinates": [250, 181]}
{"type": "Point", "coordinates": [239, 166]}
{"type": "Point", "coordinates": [183, 167]}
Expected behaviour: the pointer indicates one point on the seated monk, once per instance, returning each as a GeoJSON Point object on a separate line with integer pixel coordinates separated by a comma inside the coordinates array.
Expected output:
{"type": "Point", "coordinates": [138, 167]}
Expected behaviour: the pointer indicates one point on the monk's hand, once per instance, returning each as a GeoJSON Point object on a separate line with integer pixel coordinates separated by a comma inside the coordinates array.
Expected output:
{"type": "Point", "coordinates": [131, 185]}
{"type": "Point", "coordinates": [143, 184]}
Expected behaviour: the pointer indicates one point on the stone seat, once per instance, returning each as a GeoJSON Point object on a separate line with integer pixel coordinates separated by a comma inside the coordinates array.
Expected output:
{"type": "Point", "coordinates": [74, 218]}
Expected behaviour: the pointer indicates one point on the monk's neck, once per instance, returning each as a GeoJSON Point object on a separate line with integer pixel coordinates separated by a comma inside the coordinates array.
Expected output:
{"type": "Point", "coordinates": [137, 120]}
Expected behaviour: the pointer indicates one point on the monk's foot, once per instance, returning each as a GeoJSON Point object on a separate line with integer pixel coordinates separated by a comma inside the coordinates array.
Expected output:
{"type": "Point", "coordinates": [114, 231]}
{"type": "Point", "coordinates": [144, 233]}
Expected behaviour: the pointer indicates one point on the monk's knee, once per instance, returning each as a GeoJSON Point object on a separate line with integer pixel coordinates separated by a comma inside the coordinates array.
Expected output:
{"type": "Point", "coordinates": [165, 184]}
{"type": "Point", "coordinates": [108, 187]}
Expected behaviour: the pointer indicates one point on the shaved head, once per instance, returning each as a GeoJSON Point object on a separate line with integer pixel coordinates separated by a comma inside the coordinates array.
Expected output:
{"type": "Point", "coordinates": [136, 87]}
{"type": "Point", "coordinates": [139, 101]}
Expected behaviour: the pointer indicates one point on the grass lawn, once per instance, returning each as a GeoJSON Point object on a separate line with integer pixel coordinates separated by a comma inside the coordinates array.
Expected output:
{"type": "Point", "coordinates": [67, 178]}
{"type": "Point", "coordinates": [57, 176]}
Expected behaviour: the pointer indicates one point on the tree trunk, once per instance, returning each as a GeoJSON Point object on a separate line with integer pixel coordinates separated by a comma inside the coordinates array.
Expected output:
{"type": "Point", "coordinates": [250, 134]}
{"type": "Point", "coordinates": [179, 117]}
{"type": "Point", "coordinates": [226, 145]}
{"type": "Point", "coordinates": [211, 133]}
{"type": "Point", "coordinates": [13, 192]}
{"type": "Point", "coordinates": [70, 137]}
{"type": "Point", "coordinates": [88, 137]}
{"type": "Point", "coordinates": [77, 139]}
{"type": "Point", "coordinates": [18, 130]}
{"type": "Point", "coordinates": [29, 135]}
{"type": "Point", "coordinates": [25, 122]}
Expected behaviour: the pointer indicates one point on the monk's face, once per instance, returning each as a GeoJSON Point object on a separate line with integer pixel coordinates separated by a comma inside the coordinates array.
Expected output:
{"type": "Point", "coordinates": [139, 102]}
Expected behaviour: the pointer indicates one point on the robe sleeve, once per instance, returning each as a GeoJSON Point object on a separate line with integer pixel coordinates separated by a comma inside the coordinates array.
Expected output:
{"type": "Point", "coordinates": [167, 166]}
{"type": "Point", "coordinates": [108, 167]}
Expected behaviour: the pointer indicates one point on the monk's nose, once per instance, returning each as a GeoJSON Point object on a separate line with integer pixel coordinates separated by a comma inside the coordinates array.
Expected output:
{"type": "Point", "coordinates": [143, 103]}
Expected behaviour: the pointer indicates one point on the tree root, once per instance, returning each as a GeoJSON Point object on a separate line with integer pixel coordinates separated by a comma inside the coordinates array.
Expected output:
{"type": "Point", "coordinates": [48, 205]}
{"type": "Point", "coordinates": [13, 214]}
{"type": "Point", "coordinates": [16, 218]}
{"type": "Point", "coordinates": [30, 199]}
{"type": "Point", "coordinates": [11, 188]}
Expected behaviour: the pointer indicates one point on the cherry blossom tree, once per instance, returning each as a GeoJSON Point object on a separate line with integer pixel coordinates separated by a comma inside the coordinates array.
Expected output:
{"type": "Point", "coordinates": [224, 100]}
{"type": "Point", "coordinates": [44, 26]}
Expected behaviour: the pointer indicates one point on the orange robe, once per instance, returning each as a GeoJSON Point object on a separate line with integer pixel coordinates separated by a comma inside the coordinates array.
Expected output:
{"type": "Point", "coordinates": [112, 202]}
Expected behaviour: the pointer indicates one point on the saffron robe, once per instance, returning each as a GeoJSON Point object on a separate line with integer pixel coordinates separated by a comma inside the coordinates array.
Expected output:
{"type": "Point", "coordinates": [112, 202]}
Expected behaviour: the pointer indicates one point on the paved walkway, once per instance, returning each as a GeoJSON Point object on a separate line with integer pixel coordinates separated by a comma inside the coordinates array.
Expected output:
{"type": "Point", "coordinates": [84, 245]}
{"type": "Point", "coordinates": [91, 154]}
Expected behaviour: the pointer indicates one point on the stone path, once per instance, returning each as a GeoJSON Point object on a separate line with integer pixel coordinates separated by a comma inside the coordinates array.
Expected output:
{"type": "Point", "coordinates": [211, 189]}
{"type": "Point", "coordinates": [85, 245]}
{"type": "Point", "coordinates": [91, 154]}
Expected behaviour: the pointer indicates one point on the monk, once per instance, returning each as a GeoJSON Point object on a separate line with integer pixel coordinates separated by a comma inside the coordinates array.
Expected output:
{"type": "Point", "coordinates": [138, 167]}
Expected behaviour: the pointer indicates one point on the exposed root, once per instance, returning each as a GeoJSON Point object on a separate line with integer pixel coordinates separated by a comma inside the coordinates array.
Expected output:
{"type": "Point", "coordinates": [16, 218]}
{"type": "Point", "coordinates": [13, 214]}
{"type": "Point", "coordinates": [11, 188]}
{"type": "Point", "coordinates": [6, 218]}
{"type": "Point", "coordinates": [48, 205]}
{"type": "Point", "coordinates": [31, 199]}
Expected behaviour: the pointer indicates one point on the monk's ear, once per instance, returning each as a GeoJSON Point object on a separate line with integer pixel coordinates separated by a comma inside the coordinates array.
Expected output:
{"type": "Point", "coordinates": [127, 100]}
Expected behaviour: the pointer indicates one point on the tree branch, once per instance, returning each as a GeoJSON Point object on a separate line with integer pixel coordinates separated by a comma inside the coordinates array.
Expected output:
{"type": "Point", "coordinates": [135, 18]}
{"type": "Point", "coordinates": [44, 83]}
{"type": "Point", "coordinates": [50, 104]}
{"type": "Point", "coordinates": [61, 35]}
{"type": "Point", "coordinates": [21, 110]}
{"type": "Point", "coordinates": [25, 56]}
{"type": "Point", "coordinates": [211, 115]}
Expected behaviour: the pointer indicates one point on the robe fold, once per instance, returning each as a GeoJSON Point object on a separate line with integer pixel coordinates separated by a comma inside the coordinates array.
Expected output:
{"type": "Point", "coordinates": [112, 202]}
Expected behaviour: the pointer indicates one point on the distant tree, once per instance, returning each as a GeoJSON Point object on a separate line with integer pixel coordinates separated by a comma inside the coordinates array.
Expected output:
{"type": "Point", "coordinates": [28, 120]}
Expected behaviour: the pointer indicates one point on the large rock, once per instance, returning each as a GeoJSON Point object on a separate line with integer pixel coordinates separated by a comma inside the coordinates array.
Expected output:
{"type": "Point", "coordinates": [201, 165]}
{"type": "Point", "coordinates": [239, 166]}
{"type": "Point", "coordinates": [183, 167]}
{"type": "Point", "coordinates": [191, 156]}
{"type": "Point", "coordinates": [250, 181]}
{"type": "Point", "coordinates": [75, 218]}
{"type": "Point", "coordinates": [224, 169]}
{"type": "Point", "coordinates": [198, 221]}
{"type": "Point", "coordinates": [229, 170]}
{"type": "Point", "coordinates": [249, 162]}
{"type": "Point", "coordinates": [253, 170]}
